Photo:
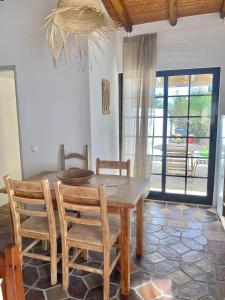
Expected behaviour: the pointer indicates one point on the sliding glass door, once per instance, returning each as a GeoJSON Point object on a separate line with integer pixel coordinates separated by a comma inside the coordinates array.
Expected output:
{"type": "Point", "coordinates": [185, 128]}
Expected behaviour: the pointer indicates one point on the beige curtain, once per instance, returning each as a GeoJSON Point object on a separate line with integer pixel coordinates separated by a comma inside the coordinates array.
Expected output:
{"type": "Point", "coordinates": [138, 101]}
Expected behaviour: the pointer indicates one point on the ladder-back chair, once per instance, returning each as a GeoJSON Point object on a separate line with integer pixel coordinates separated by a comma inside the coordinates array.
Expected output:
{"type": "Point", "coordinates": [64, 157]}
{"type": "Point", "coordinates": [96, 231]}
{"type": "Point", "coordinates": [33, 200]}
{"type": "Point", "coordinates": [113, 165]}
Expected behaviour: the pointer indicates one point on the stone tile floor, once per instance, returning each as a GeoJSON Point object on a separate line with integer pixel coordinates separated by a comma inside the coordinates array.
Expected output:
{"type": "Point", "coordinates": [184, 258]}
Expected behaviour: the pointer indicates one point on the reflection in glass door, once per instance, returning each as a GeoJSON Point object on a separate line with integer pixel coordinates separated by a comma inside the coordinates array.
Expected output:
{"type": "Point", "coordinates": [185, 121]}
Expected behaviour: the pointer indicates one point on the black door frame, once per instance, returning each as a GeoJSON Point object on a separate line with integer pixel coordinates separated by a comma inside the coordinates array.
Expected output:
{"type": "Point", "coordinates": [215, 71]}
{"type": "Point", "coordinates": [206, 200]}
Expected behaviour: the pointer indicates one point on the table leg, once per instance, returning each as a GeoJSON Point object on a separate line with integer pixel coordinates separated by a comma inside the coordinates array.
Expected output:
{"type": "Point", "coordinates": [125, 250]}
{"type": "Point", "coordinates": [139, 226]}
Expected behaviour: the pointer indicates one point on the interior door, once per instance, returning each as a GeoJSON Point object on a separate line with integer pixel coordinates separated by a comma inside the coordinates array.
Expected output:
{"type": "Point", "coordinates": [185, 128]}
{"type": "Point", "coordinates": [10, 163]}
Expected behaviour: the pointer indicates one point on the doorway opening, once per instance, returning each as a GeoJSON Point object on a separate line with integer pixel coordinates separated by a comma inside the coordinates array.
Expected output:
{"type": "Point", "coordinates": [184, 138]}
{"type": "Point", "coordinates": [10, 160]}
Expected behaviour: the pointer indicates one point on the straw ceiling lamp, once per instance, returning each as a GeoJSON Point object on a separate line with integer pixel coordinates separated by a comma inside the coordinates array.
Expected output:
{"type": "Point", "coordinates": [75, 19]}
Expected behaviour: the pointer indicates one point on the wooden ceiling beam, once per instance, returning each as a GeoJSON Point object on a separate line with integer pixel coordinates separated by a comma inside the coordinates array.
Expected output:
{"type": "Point", "coordinates": [173, 12]}
{"type": "Point", "coordinates": [222, 11]}
{"type": "Point", "coordinates": [122, 14]}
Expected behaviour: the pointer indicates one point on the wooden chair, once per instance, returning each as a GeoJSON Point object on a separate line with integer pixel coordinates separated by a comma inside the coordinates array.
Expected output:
{"type": "Point", "coordinates": [64, 157]}
{"type": "Point", "coordinates": [42, 223]}
{"type": "Point", "coordinates": [11, 274]}
{"type": "Point", "coordinates": [113, 165]}
{"type": "Point", "coordinates": [176, 160]}
{"type": "Point", "coordinates": [95, 231]}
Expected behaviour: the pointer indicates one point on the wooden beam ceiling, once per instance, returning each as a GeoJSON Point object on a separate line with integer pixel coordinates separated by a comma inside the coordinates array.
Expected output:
{"type": "Point", "coordinates": [222, 12]}
{"type": "Point", "coordinates": [173, 12]}
{"type": "Point", "coordinates": [134, 12]}
{"type": "Point", "coordinates": [121, 12]}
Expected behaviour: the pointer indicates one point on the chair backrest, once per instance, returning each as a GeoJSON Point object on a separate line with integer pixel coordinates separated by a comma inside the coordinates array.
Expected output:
{"type": "Point", "coordinates": [82, 199]}
{"type": "Point", "coordinates": [11, 274]}
{"type": "Point", "coordinates": [64, 157]}
{"type": "Point", "coordinates": [31, 199]}
{"type": "Point", "coordinates": [176, 152]}
{"type": "Point", "coordinates": [113, 165]}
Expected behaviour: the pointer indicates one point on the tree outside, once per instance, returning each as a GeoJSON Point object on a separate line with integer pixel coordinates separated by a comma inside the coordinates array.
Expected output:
{"type": "Point", "coordinates": [199, 106]}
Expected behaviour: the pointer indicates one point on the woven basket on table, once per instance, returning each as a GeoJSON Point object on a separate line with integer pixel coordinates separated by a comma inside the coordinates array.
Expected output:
{"type": "Point", "coordinates": [77, 18]}
{"type": "Point", "coordinates": [75, 176]}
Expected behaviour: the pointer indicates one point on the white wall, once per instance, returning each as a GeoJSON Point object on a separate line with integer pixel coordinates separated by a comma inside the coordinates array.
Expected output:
{"type": "Point", "coordinates": [195, 42]}
{"type": "Point", "coordinates": [9, 134]}
{"type": "Point", "coordinates": [104, 128]}
{"type": "Point", "coordinates": [53, 103]}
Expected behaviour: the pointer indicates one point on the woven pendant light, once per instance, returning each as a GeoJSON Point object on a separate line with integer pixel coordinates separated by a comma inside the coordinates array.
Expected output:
{"type": "Point", "coordinates": [77, 18]}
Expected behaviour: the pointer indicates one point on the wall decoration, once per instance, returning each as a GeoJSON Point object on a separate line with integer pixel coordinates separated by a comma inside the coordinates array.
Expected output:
{"type": "Point", "coordinates": [105, 97]}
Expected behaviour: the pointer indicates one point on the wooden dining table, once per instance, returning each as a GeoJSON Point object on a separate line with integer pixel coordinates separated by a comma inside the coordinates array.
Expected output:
{"type": "Point", "coordinates": [124, 195]}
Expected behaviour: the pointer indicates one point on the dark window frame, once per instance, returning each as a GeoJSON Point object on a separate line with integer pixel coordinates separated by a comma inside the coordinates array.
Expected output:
{"type": "Point", "coordinates": [206, 200]}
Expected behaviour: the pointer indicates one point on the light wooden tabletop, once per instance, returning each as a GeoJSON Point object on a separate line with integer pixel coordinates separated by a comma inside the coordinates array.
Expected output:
{"type": "Point", "coordinates": [126, 190]}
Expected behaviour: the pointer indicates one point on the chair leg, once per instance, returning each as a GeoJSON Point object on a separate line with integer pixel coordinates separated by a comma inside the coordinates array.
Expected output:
{"type": "Point", "coordinates": [106, 275]}
{"type": "Point", "coordinates": [65, 269]}
{"type": "Point", "coordinates": [45, 246]}
{"type": "Point", "coordinates": [53, 247]}
{"type": "Point", "coordinates": [85, 255]}
{"type": "Point", "coordinates": [117, 250]}
{"type": "Point", "coordinates": [18, 241]}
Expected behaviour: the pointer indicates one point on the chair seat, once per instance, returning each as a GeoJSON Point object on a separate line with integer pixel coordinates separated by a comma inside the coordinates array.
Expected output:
{"type": "Point", "coordinates": [93, 234]}
{"type": "Point", "coordinates": [38, 225]}
{"type": "Point", "coordinates": [114, 219]}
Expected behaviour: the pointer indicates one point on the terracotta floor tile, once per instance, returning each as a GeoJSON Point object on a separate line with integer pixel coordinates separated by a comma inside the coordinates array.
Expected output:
{"type": "Point", "coordinates": [164, 284]}
{"type": "Point", "coordinates": [191, 233]}
{"type": "Point", "coordinates": [180, 248]}
{"type": "Point", "coordinates": [172, 231]}
{"type": "Point", "coordinates": [178, 261]}
{"type": "Point", "coordinates": [35, 295]}
{"type": "Point", "coordinates": [192, 244]}
{"type": "Point", "coordinates": [166, 267]}
{"type": "Point", "coordinates": [177, 223]}
{"type": "Point", "coordinates": [201, 240]}
{"type": "Point", "coordinates": [56, 292]}
{"type": "Point", "coordinates": [96, 293]}
{"type": "Point", "coordinates": [214, 226]}
{"type": "Point", "coordinates": [133, 295]}
{"type": "Point", "coordinates": [194, 272]}
{"type": "Point", "coordinates": [171, 240]}
{"type": "Point", "coordinates": [215, 236]}
{"type": "Point", "coordinates": [221, 289]}
{"type": "Point", "coordinates": [180, 278]}
{"type": "Point", "coordinates": [30, 275]}
{"type": "Point", "coordinates": [148, 291]}
{"type": "Point", "coordinates": [139, 278]}
{"type": "Point", "coordinates": [156, 257]}
{"type": "Point", "coordinates": [205, 265]}
{"type": "Point", "coordinates": [168, 252]}
{"type": "Point", "coordinates": [193, 256]}
{"type": "Point", "coordinates": [159, 221]}
{"type": "Point", "coordinates": [193, 291]}
{"type": "Point", "coordinates": [77, 288]}
{"type": "Point", "coordinates": [220, 272]}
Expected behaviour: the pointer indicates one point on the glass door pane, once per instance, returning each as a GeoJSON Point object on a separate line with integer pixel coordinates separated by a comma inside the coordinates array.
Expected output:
{"type": "Point", "coordinates": [183, 152]}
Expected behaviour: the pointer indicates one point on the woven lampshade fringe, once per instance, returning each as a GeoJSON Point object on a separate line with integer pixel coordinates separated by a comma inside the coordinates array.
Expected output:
{"type": "Point", "coordinates": [65, 24]}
